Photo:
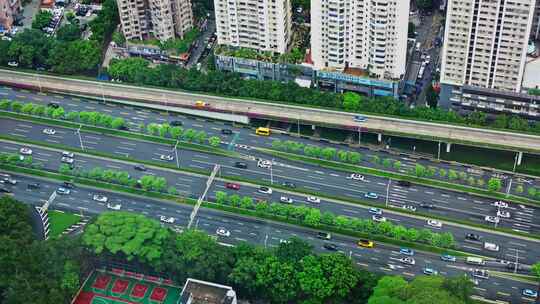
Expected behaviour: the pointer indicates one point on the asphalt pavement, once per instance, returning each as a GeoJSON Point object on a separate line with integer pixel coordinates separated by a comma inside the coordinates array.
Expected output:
{"type": "Point", "coordinates": [384, 259]}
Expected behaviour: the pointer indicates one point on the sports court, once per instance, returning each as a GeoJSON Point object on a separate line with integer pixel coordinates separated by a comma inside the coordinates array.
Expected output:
{"type": "Point", "coordinates": [123, 287]}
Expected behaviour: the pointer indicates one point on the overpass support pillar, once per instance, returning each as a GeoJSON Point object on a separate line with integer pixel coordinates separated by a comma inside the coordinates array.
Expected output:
{"type": "Point", "coordinates": [379, 137]}
{"type": "Point", "coordinates": [448, 146]}
{"type": "Point", "coordinates": [519, 157]}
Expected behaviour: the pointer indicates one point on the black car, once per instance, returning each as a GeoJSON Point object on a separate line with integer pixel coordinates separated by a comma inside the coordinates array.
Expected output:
{"type": "Point", "coordinates": [33, 186]}
{"type": "Point", "coordinates": [240, 165]}
{"type": "Point", "coordinates": [124, 127]}
{"type": "Point", "coordinates": [176, 123]}
{"type": "Point", "coordinates": [53, 105]}
{"type": "Point", "coordinates": [472, 236]}
{"type": "Point", "coordinates": [324, 235]}
{"type": "Point", "coordinates": [68, 185]}
{"type": "Point", "coordinates": [289, 184]}
{"type": "Point", "coordinates": [140, 167]}
{"type": "Point", "coordinates": [427, 205]}
{"type": "Point", "coordinates": [226, 131]}
{"type": "Point", "coordinates": [403, 183]}
{"type": "Point", "coordinates": [330, 246]}
{"type": "Point", "coordinates": [4, 190]}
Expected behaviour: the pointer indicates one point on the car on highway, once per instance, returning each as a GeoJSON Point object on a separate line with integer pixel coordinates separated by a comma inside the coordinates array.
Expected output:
{"type": "Point", "coordinates": [25, 151]}
{"type": "Point", "coordinates": [232, 186]}
{"type": "Point", "coordinates": [330, 246]}
{"type": "Point", "coordinates": [8, 180]}
{"type": "Point", "coordinates": [407, 260]}
{"type": "Point", "coordinates": [176, 123]}
{"type": "Point", "coordinates": [223, 232]}
{"type": "Point", "coordinates": [500, 204]}
{"type": "Point", "coordinates": [529, 293]}
{"type": "Point", "coordinates": [100, 198]}
{"type": "Point", "coordinates": [480, 273]}
{"type": "Point", "coordinates": [473, 236]}
{"type": "Point", "coordinates": [359, 118]}
{"type": "Point", "coordinates": [427, 205]}
{"type": "Point", "coordinates": [491, 246]}
{"type": "Point", "coordinates": [49, 131]}
{"type": "Point", "coordinates": [406, 251]}
{"type": "Point", "coordinates": [313, 199]}
{"type": "Point", "coordinates": [240, 165]}
{"type": "Point", "coordinates": [429, 271]}
{"type": "Point", "coordinates": [139, 167]}
{"type": "Point", "coordinates": [377, 211]}
{"type": "Point", "coordinates": [114, 206]}
{"type": "Point", "coordinates": [324, 235]}
{"type": "Point", "coordinates": [166, 219]}
{"type": "Point", "coordinates": [289, 185]}
{"type": "Point", "coordinates": [491, 219]}
{"type": "Point", "coordinates": [264, 164]}
{"type": "Point", "coordinates": [503, 214]}
{"type": "Point", "coordinates": [409, 207]}
{"type": "Point", "coordinates": [372, 195]}
{"type": "Point", "coordinates": [226, 131]}
{"type": "Point", "coordinates": [33, 186]}
{"type": "Point", "coordinates": [286, 200]}
{"type": "Point", "coordinates": [365, 243]}
{"type": "Point", "coordinates": [448, 258]}
{"type": "Point", "coordinates": [434, 223]}
{"type": "Point", "coordinates": [53, 105]}
{"type": "Point", "coordinates": [403, 183]}
{"type": "Point", "coordinates": [283, 241]}
{"type": "Point", "coordinates": [68, 185]}
{"type": "Point", "coordinates": [12, 63]}
{"type": "Point", "coordinates": [378, 218]}
{"type": "Point", "coordinates": [6, 191]}
{"type": "Point", "coordinates": [166, 157]}
{"type": "Point", "coordinates": [68, 154]}
{"type": "Point", "coordinates": [63, 191]}
{"type": "Point", "coordinates": [357, 177]}
{"type": "Point", "coordinates": [265, 190]}
{"type": "Point", "coordinates": [67, 160]}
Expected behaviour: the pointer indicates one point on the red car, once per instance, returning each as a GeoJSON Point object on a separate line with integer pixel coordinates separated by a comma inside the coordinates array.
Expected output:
{"type": "Point", "coordinates": [232, 186]}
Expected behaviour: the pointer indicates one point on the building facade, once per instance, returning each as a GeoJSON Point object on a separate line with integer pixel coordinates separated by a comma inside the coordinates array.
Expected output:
{"type": "Point", "coordinates": [163, 19]}
{"type": "Point", "coordinates": [535, 28]}
{"type": "Point", "coordinates": [8, 11]}
{"type": "Point", "coordinates": [370, 35]}
{"type": "Point", "coordinates": [263, 25]}
{"type": "Point", "coordinates": [486, 43]}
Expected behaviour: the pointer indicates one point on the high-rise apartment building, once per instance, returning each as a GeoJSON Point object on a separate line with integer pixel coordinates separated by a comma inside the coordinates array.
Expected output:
{"type": "Point", "coordinates": [366, 34]}
{"type": "Point", "coordinates": [163, 19]}
{"type": "Point", "coordinates": [263, 25]}
{"type": "Point", "coordinates": [535, 28]}
{"type": "Point", "coordinates": [8, 10]}
{"type": "Point", "coordinates": [485, 43]}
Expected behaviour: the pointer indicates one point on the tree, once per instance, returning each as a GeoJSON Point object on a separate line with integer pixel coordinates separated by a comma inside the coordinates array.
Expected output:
{"type": "Point", "coordinates": [519, 188]}
{"type": "Point", "coordinates": [313, 217]}
{"type": "Point", "coordinates": [342, 155]}
{"type": "Point", "coordinates": [147, 182]}
{"type": "Point", "coordinates": [442, 173]}
{"type": "Point", "coordinates": [278, 278]}
{"type": "Point", "coordinates": [75, 57]}
{"type": "Point", "coordinates": [118, 38]}
{"type": "Point", "coordinates": [471, 181]}
{"type": "Point", "coordinates": [126, 234]}
{"type": "Point", "coordinates": [16, 106]}
{"type": "Point", "coordinates": [72, 116]}
{"type": "Point", "coordinates": [58, 113]}
{"type": "Point", "coordinates": [152, 128]}
{"type": "Point", "coordinates": [459, 286]}
{"type": "Point", "coordinates": [221, 197]}
{"type": "Point", "coordinates": [214, 141]}
{"type": "Point", "coordinates": [452, 174]}
{"type": "Point", "coordinates": [411, 30]}
{"type": "Point", "coordinates": [419, 170]}
{"type": "Point", "coordinates": [397, 165]}
{"type": "Point", "coordinates": [387, 163]}
{"type": "Point", "coordinates": [41, 19]}
{"type": "Point", "coordinates": [64, 169]}
{"type": "Point", "coordinates": [432, 97]}
{"type": "Point", "coordinates": [68, 32]}
{"type": "Point", "coordinates": [117, 123]}
{"type": "Point", "coordinates": [494, 184]}
{"type": "Point", "coordinates": [424, 4]}
{"type": "Point", "coordinates": [328, 153]}
{"type": "Point", "coordinates": [172, 190]}
{"type": "Point", "coordinates": [175, 132]}
{"type": "Point", "coordinates": [351, 101]}
{"type": "Point", "coordinates": [27, 108]}
{"type": "Point", "coordinates": [531, 191]}
{"type": "Point", "coordinates": [200, 137]}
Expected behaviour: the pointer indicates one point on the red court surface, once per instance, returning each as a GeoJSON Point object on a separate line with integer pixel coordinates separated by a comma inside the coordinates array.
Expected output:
{"type": "Point", "coordinates": [101, 282]}
{"type": "Point", "coordinates": [158, 294]}
{"type": "Point", "coordinates": [120, 286]}
{"type": "Point", "coordinates": [139, 290]}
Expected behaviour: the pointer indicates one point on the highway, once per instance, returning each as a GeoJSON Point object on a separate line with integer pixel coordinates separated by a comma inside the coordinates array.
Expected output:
{"type": "Point", "coordinates": [272, 111]}
{"type": "Point", "coordinates": [525, 251]}
{"type": "Point", "coordinates": [245, 137]}
{"type": "Point", "coordinates": [382, 258]}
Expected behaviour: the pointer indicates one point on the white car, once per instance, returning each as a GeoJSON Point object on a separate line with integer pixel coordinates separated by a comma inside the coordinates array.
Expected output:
{"type": "Point", "coordinates": [49, 131]}
{"type": "Point", "coordinates": [265, 190]}
{"type": "Point", "coordinates": [373, 210]}
{"type": "Point", "coordinates": [264, 164]}
{"type": "Point", "coordinates": [378, 218]}
{"type": "Point", "coordinates": [223, 232]}
{"type": "Point", "coordinates": [409, 207]}
{"type": "Point", "coordinates": [503, 214]}
{"type": "Point", "coordinates": [491, 246]}
{"type": "Point", "coordinates": [407, 260]}
{"type": "Point", "coordinates": [114, 206]}
{"type": "Point", "coordinates": [286, 200]}
{"type": "Point", "coordinates": [500, 204]}
{"type": "Point", "coordinates": [100, 198]}
{"type": "Point", "coordinates": [356, 176]}
{"type": "Point", "coordinates": [434, 223]}
{"type": "Point", "coordinates": [491, 219]}
{"type": "Point", "coordinates": [166, 157]}
{"type": "Point", "coordinates": [67, 160]}
{"type": "Point", "coordinates": [26, 151]}
{"type": "Point", "coordinates": [166, 219]}
{"type": "Point", "coordinates": [313, 199]}
{"type": "Point", "coordinates": [282, 241]}
{"type": "Point", "coordinates": [13, 64]}
{"type": "Point", "coordinates": [63, 191]}
{"type": "Point", "coordinates": [68, 154]}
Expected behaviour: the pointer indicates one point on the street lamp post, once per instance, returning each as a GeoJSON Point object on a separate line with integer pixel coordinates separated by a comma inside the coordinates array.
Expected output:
{"type": "Point", "coordinates": [271, 173]}
{"type": "Point", "coordinates": [388, 191]}
{"type": "Point", "coordinates": [176, 152]}
{"type": "Point", "coordinates": [39, 83]}
{"type": "Point", "coordinates": [359, 134]}
{"type": "Point", "coordinates": [439, 151]}
{"type": "Point", "coordinates": [515, 161]}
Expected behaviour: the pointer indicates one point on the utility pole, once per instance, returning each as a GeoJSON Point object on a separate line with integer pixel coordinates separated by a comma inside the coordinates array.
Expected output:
{"type": "Point", "coordinates": [388, 191]}
{"type": "Point", "coordinates": [515, 161]}
{"type": "Point", "coordinates": [359, 134]}
{"type": "Point", "coordinates": [201, 198]}
{"type": "Point", "coordinates": [439, 151]}
{"type": "Point", "coordinates": [80, 138]}
{"type": "Point", "coordinates": [176, 154]}
{"type": "Point", "coordinates": [271, 174]}
{"type": "Point", "coordinates": [39, 83]}
{"type": "Point", "coordinates": [266, 241]}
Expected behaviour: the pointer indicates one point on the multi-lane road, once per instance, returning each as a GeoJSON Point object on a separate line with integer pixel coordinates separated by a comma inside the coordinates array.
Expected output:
{"type": "Point", "coordinates": [382, 258]}
{"type": "Point", "coordinates": [327, 181]}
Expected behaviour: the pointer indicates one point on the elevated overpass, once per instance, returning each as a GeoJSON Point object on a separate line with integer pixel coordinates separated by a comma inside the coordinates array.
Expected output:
{"type": "Point", "coordinates": [153, 97]}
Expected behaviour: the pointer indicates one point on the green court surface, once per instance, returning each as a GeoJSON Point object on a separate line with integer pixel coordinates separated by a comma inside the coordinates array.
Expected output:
{"type": "Point", "coordinates": [60, 221]}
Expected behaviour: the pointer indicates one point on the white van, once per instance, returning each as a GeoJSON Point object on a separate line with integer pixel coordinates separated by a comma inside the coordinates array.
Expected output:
{"type": "Point", "coordinates": [475, 261]}
{"type": "Point", "coordinates": [491, 246]}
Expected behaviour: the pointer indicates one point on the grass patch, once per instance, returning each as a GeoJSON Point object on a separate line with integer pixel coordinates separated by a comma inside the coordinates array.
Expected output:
{"type": "Point", "coordinates": [60, 221]}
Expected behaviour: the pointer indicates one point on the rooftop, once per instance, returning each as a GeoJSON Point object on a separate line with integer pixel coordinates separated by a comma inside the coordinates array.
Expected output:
{"type": "Point", "coordinates": [202, 292]}
{"type": "Point", "coordinates": [531, 75]}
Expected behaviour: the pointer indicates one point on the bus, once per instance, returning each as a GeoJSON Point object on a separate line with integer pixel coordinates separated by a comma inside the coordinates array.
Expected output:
{"type": "Point", "coordinates": [262, 131]}
{"type": "Point", "coordinates": [475, 261]}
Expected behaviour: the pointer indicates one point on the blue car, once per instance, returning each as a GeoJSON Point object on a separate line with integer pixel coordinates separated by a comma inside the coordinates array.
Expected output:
{"type": "Point", "coordinates": [448, 258]}
{"type": "Point", "coordinates": [406, 251]}
{"type": "Point", "coordinates": [359, 118]}
{"type": "Point", "coordinates": [372, 195]}
{"type": "Point", "coordinates": [530, 293]}
{"type": "Point", "coordinates": [376, 211]}
{"type": "Point", "coordinates": [430, 271]}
